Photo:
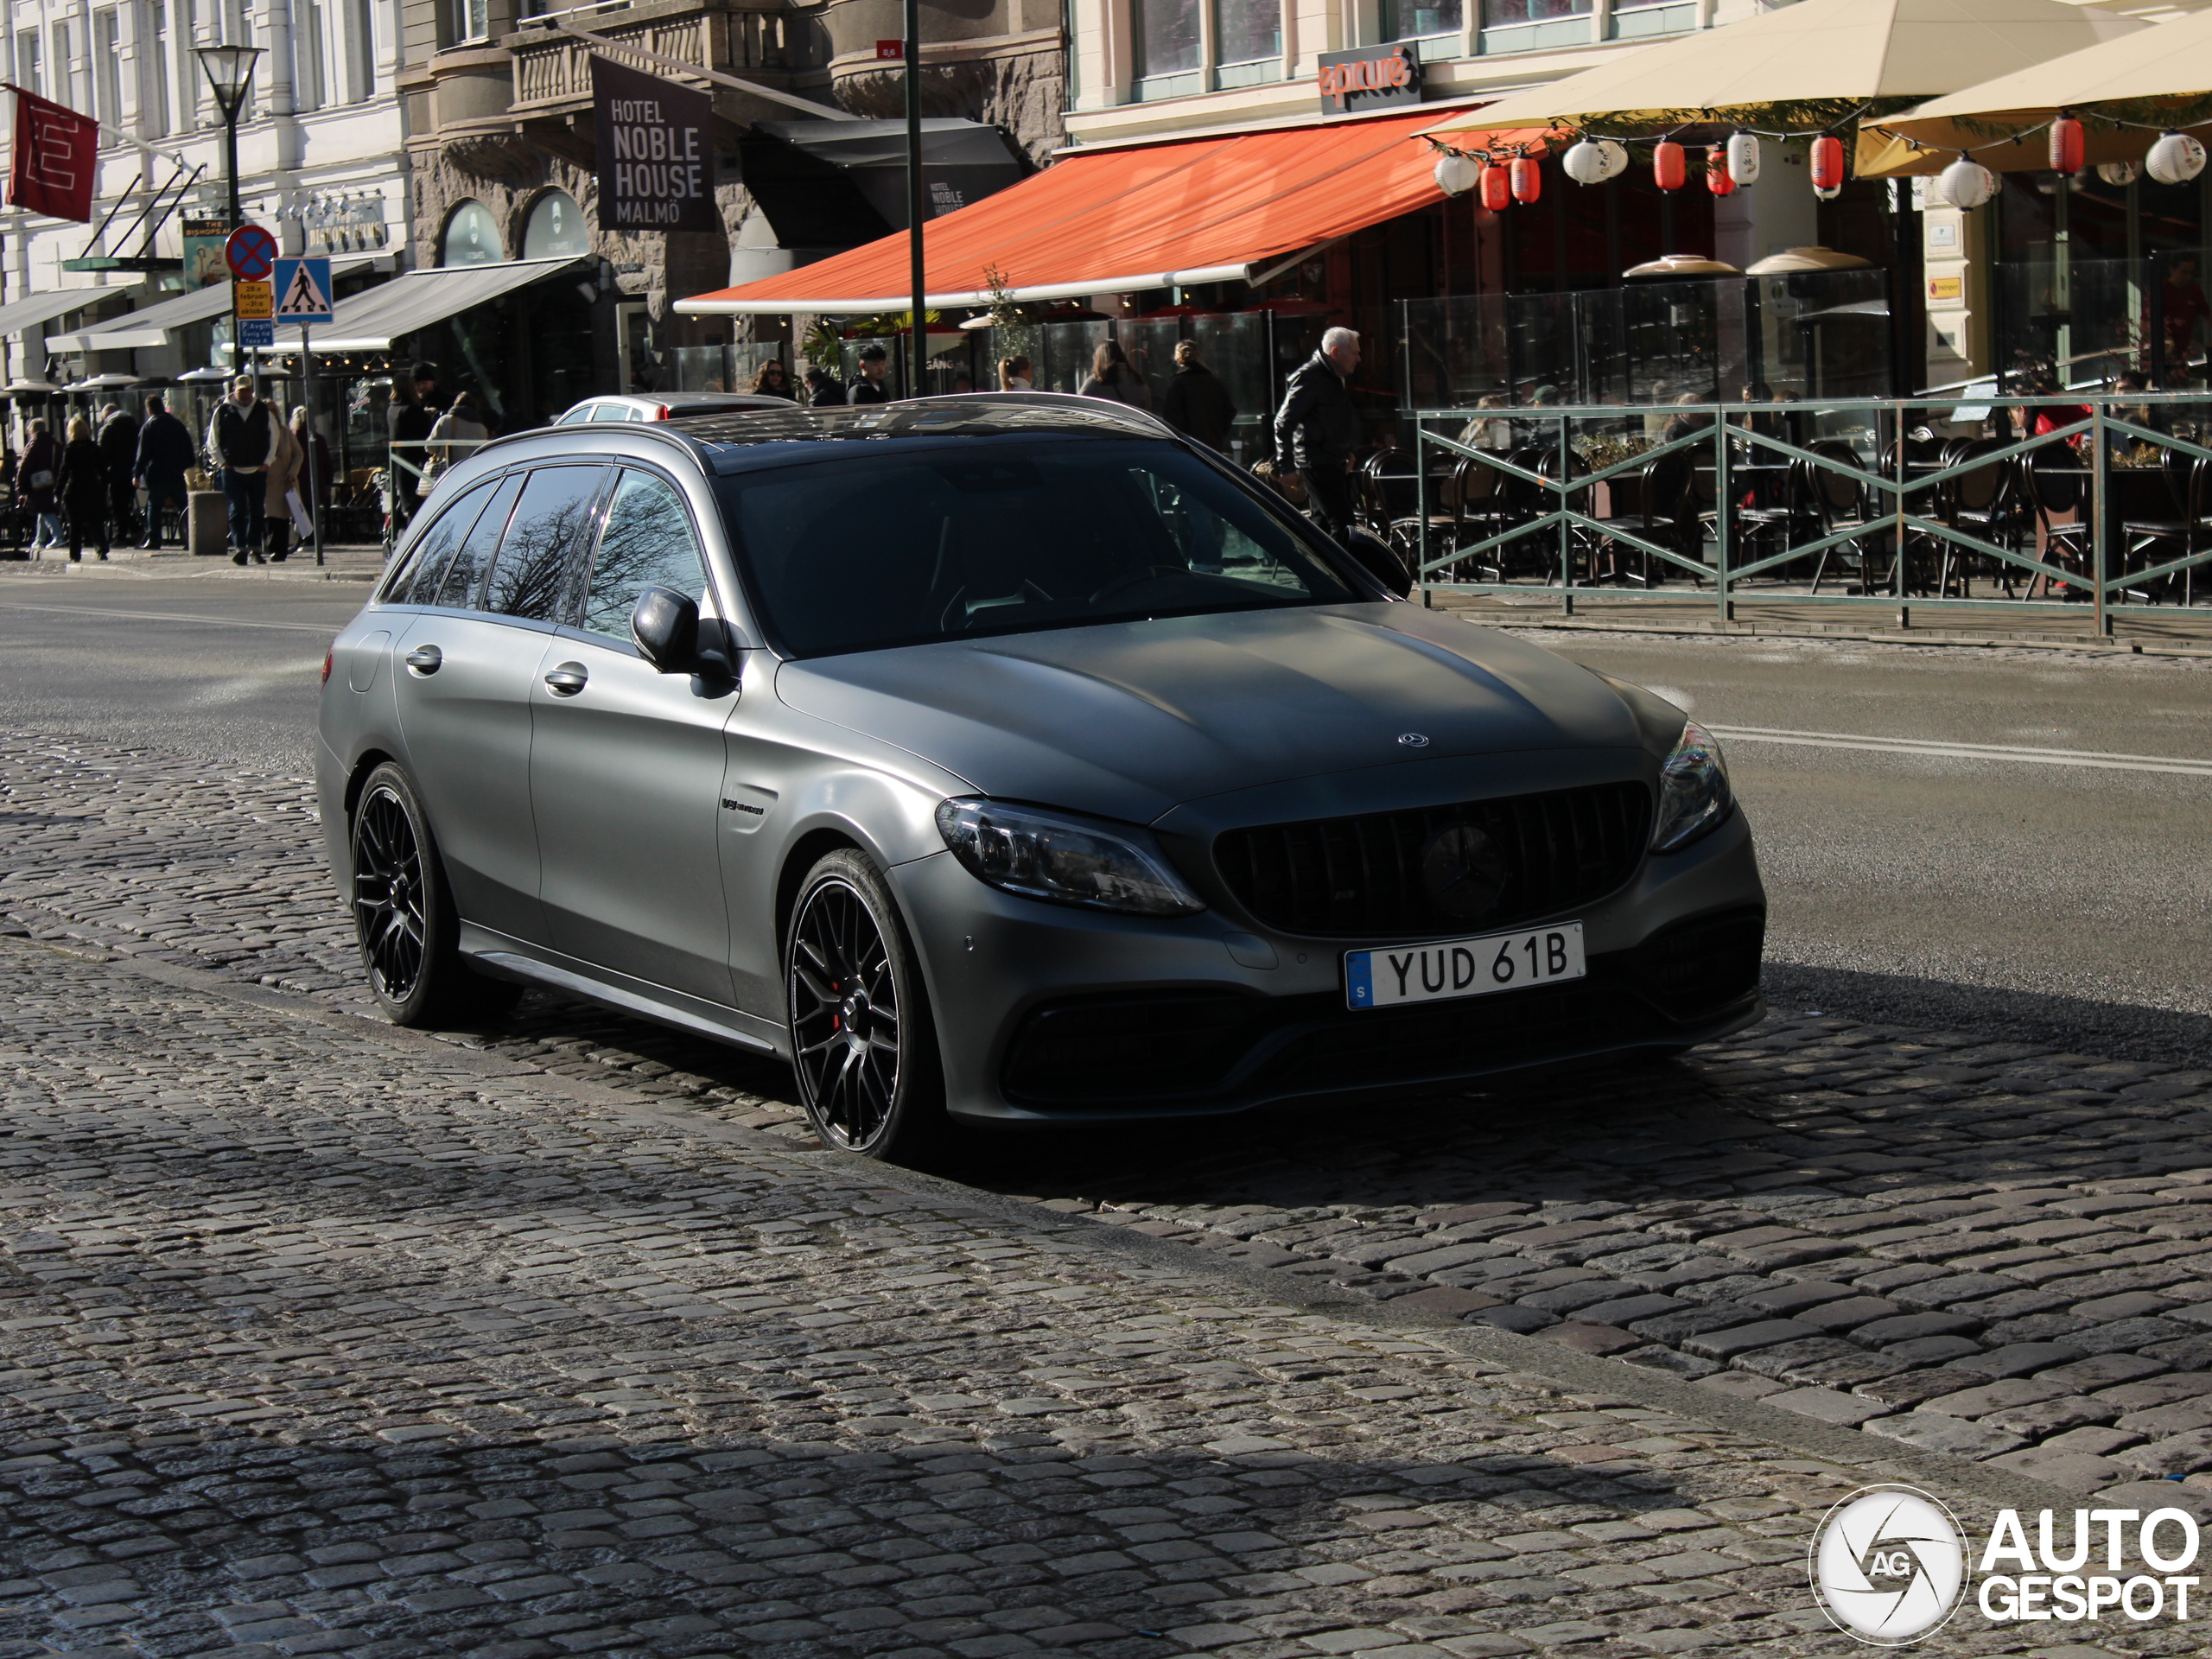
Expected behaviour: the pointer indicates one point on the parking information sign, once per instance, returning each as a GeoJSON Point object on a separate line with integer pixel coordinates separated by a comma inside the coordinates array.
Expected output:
{"type": "Point", "coordinates": [254, 300]}
{"type": "Point", "coordinates": [257, 332]}
{"type": "Point", "coordinates": [303, 290]}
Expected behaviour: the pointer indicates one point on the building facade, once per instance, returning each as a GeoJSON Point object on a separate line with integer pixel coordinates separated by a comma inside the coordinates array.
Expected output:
{"type": "Point", "coordinates": [322, 155]}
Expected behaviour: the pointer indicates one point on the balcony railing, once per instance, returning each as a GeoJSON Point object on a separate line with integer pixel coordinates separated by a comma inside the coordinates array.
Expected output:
{"type": "Point", "coordinates": [553, 70]}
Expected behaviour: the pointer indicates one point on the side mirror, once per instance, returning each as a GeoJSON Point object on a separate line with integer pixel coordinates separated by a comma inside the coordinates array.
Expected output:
{"type": "Point", "coordinates": [666, 625]}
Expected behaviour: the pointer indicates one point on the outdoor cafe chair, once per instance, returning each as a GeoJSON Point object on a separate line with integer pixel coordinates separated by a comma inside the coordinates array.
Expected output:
{"type": "Point", "coordinates": [1481, 507]}
{"type": "Point", "coordinates": [1840, 502]}
{"type": "Point", "coordinates": [2183, 536]}
{"type": "Point", "coordinates": [1657, 516]}
{"type": "Point", "coordinates": [1982, 502]}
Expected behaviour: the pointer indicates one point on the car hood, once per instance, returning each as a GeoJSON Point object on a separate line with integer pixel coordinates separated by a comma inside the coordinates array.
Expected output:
{"type": "Point", "coordinates": [1128, 720]}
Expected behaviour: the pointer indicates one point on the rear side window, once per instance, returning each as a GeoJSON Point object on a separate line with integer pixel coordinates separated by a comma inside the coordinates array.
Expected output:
{"type": "Point", "coordinates": [550, 521]}
{"type": "Point", "coordinates": [648, 543]}
{"type": "Point", "coordinates": [415, 581]}
{"type": "Point", "coordinates": [466, 571]}
{"type": "Point", "coordinates": [610, 412]}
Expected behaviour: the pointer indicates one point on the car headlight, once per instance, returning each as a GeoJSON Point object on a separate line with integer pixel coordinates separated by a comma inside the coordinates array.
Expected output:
{"type": "Point", "coordinates": [1694, 794]}
{"type": "Point", "coordinates": [1065, 860]}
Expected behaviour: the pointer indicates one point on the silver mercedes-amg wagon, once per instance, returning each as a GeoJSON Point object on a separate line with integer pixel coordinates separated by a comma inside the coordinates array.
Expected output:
{"type": "Point", "coordinates": [1003, 759]}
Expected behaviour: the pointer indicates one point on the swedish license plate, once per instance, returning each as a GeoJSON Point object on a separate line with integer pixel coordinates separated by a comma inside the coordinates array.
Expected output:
{"type": "Point", "coordinates": [1454, 968]}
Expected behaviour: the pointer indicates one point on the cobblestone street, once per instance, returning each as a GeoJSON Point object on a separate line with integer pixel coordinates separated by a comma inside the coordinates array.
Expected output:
{"type": "Point", "coordinates": [325, 1337]}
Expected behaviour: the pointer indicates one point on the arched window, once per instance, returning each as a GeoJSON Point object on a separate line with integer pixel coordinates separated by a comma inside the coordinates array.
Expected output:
{"type": "Point", "coordinates": [555, 227]}
{"type": "Point", "coordinates": [472, 237]}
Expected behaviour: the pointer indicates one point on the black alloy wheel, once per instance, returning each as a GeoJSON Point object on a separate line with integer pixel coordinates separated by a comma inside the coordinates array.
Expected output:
{"type": "Point", "coordinates": [390, 893]}
{"type": "Point", "coordinates": [861, 1042]}
{"type": "Point", "coordinates": [404, 919]}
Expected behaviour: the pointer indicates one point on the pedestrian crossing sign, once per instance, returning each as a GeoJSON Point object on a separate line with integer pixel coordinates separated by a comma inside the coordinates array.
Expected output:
{"type": "Point", "coordinates": [303, 290]}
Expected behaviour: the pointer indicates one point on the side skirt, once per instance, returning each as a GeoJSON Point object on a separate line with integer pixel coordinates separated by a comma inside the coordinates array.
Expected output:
{"type": "Point", "coordinates": [509, 958]}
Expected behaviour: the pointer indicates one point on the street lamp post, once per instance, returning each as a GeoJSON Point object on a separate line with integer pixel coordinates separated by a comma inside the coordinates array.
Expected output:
{"type": "Point", "coordinates": [230, 71]}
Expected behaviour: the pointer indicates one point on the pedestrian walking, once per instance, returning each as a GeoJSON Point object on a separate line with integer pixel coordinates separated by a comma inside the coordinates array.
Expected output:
{"type": "Point", "coordinates": [165, 454]}
{"type": "Point", "coordinates": [1317, 429]}
{"type": "Point", "coordinates": [461, 428]}
{"type": "Point", "coordinates": [1014, 375]}
{"type": "Point", "coordinates": [241, 439]}
{"type": "Point", "coordinates": [83, 487]}
{"type": "Point", "coordinates": [1196, 404]}
{"type": "Point", "coordinates": [823, 389]}
{"type": "Point", "coordinates": [286, 460]}
{"type": "Point", "coordinates": [408, 421]}
{"type": "Point", "coordinates": [34, 483]}
{"type": "Point", "coordinates": [118, 442]}
{"type": "Point", "coordinates": [1114, 376]}
{"type": "Point", "coordinates": [772, 379]}
{"type": "Point", "coordinates": [868, 388]}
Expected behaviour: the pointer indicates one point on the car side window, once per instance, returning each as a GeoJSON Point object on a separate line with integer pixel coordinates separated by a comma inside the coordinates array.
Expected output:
{"type": "Point", "coordinates": [648, 543]}
{"type": "Point", "coordinates": [464, 573]}
{"type": "Point", "coordinates": [532, 571]}
{"type": "Point", "coordinates": [610, 412]}
{"type": "Point", "coordinates": [415, 581]}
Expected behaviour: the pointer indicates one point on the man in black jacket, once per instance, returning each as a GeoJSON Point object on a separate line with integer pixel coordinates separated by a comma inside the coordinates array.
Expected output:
{"type": "Point", "coordinates": [1316, 430]}
{"type": "Point", "coordinates": [165, 455]}
{"type": "Point", "coordinates": [868, 388]}
{"type": "Point", "coordinates": [118, 442]}
{"type": "Point", "coordinates": [242, 436]}
{"type": "Point", "coordinates": [1197, 404]}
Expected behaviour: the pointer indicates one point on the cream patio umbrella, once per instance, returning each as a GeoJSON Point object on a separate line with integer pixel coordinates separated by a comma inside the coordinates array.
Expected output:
{"type": "Point", "coordinates": [2124, 92]}
{"type": "Point", "coordinates": [1805, 67]}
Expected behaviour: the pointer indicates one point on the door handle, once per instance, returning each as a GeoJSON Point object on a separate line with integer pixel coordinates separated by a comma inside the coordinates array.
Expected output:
{"type": "Point", "coordinates": [567, 679]}
{"type": "Point", "coordinates": [424, 660]}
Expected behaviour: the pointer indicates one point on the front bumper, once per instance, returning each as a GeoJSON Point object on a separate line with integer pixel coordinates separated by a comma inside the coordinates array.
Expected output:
{"type": "Point", "coordinates": [1047, 1013]}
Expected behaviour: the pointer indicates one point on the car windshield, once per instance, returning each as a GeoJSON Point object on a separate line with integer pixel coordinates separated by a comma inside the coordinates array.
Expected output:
{"type": "Point", "coordinates": [1008, 537]}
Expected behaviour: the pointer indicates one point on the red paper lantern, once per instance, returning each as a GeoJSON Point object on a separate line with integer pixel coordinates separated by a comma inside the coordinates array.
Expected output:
{"type": "Point", "coordinates": [1827, 164]}
{"type": "Point", "coordinates": [1667, 167]}
{"type": "Point", "coordinates": [1718, 178]}
{"type": "Point", "coordinates": [2066, 145]}
{"type": "Point", "coordinates": [1528, 179]}
{"type": "Point", "coordinates": [1496, 189]}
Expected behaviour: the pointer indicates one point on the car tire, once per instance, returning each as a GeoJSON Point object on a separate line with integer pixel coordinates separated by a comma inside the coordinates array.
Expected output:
{"type": "Point", "coordinates": [403, 915]}
{"type": "Point", "coordinates": [863, 1044]}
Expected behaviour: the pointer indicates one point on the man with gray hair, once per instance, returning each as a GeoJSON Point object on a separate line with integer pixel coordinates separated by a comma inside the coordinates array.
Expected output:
{"type": "Point", "coordinates": [1316, 430]}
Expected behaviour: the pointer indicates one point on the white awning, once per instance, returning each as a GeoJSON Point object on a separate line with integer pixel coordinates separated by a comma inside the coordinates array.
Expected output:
{"type": "Point", "coordinates": [30, 312]}
{"type": "Point", "coordinates": [154, 325]}
{"type": "Point", "coordinates": [376, 318]}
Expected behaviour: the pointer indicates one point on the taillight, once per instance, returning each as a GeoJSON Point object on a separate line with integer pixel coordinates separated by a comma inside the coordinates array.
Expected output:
{"type": "Point", "coordinates": [661, 413]}
{"type": "Point", "coordinates": [326, 665]}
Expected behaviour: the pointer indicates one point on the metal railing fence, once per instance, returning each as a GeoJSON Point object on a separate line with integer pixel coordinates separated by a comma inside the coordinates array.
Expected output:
{"type": "Point", "coordinates": [1771, 491]}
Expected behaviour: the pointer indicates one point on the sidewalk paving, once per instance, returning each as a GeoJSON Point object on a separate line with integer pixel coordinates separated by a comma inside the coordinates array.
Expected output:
{"type": "Point", "coordinates": [341, 563]}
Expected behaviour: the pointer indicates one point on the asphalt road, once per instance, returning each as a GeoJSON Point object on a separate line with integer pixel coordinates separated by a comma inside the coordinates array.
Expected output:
{"type": "Point", "coordinates": [223, 666]}
{"type": "Point", "coordinates": [2007, 841]}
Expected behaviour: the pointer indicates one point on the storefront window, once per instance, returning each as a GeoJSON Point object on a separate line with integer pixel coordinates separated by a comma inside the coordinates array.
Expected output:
{"type": "Point", "coordinates": [472, 237]}
{"type": "Point", "coordinates": [1408, 20]}
{"type": "Point", "coordinates": [556, 228]}
{"type": "Point", "coordinates": [1497, 14]}
{"type": "Point", "coordinates": [1246, 30]}
{"type": "Point", "coordinates": [1167, 37]}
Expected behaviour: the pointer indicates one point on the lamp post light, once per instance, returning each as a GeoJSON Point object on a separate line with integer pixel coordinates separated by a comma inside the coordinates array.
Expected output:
{"type": "Point", "coordinates": [230, 71]}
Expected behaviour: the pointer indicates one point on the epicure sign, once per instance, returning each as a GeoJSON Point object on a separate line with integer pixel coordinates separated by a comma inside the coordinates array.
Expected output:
{"type": "Point", "coordinates": [1369, 79]}
{"type": "Point", "coordinates": [1888, 1567]}
{"type": "Point", "coordinates": [656, 154]}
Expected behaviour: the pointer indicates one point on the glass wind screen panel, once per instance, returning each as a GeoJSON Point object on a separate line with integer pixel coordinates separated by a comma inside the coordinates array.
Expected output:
{"type": "Point", "coordinates": [1167, 37]}
{"type": "Point", "coordinates": [1498, 13]}
{"type": "Point", "coordinates": [1245, 29]}
{"type": "Point", "coordinates": [1408, 20]}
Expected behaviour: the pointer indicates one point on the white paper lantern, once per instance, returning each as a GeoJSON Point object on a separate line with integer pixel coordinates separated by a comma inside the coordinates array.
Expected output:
{"type": "Point", "coordinates": [1586, 162]}
{"type": "Point", "coordinates": [1456, 173]}
{"type": "Point", "coordinates": [1966, 184]}
{"type": "Point", "coordinates": [1744, 159]}
{"type": "Point", "coordinates": [1616, 157]}
{"type": "Point", "coordinates": [2175, 159]}
{"type": "Point", "coordinates": [2121, 174]}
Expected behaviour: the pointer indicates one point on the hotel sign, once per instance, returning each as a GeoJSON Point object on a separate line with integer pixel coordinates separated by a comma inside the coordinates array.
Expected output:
{"type": "Point", "coordinates": [1372, 78]}
{"type": "Point", "coordinates": [656, 152]}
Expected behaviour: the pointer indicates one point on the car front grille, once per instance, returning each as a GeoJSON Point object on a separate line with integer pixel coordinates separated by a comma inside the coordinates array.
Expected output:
{"type": "Point", "coordinates": [1364, 877]}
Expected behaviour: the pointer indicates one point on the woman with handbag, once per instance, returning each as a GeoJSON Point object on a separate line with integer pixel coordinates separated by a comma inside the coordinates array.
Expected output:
{"type": "Point", "coordinates": [36, 481]}
{"type": "Point", "coordinates": [285, 462]}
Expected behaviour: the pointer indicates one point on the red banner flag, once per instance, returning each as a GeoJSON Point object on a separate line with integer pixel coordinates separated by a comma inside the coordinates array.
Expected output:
{"type": "Point", "coordinates": [55, 157]}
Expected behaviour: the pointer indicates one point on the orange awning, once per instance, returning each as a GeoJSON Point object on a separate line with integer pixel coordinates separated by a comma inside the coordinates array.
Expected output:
{"type": "Point", "coordinates": [1199, 209]}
